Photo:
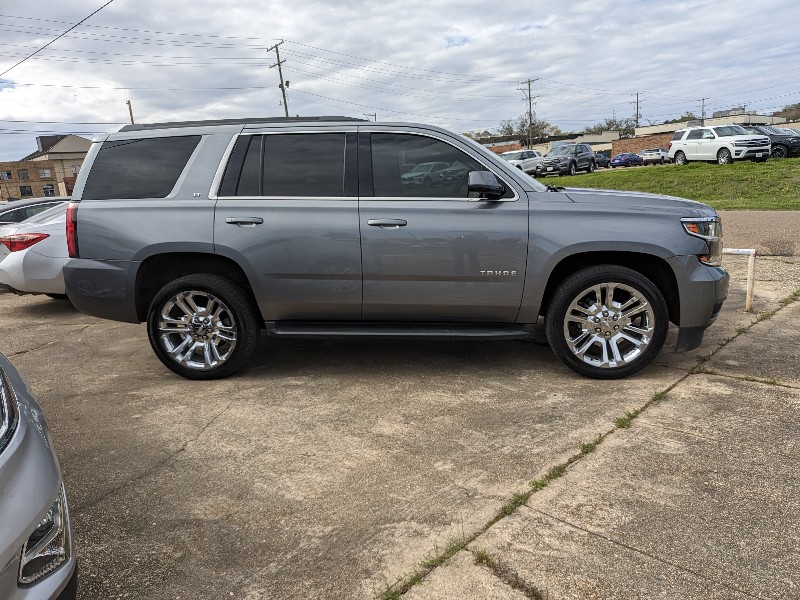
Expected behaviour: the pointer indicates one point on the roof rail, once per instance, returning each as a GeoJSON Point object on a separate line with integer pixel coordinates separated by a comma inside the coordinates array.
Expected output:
{"type": "Point", "coordinates": [176, 124]}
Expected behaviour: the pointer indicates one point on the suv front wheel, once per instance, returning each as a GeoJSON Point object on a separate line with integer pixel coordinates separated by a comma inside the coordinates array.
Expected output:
{"type": "Point", "coordinates": [203, 326]}
{"type": "Point", "coordinates": [724, 157]}
{"type": "Point", "coordinates": [606, 321]}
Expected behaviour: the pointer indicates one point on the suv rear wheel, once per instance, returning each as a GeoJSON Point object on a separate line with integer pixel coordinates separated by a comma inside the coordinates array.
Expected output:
{"type": "Point", "coordinates": [680, 158]}
{"type": "Point", "coordinates": [606, 321]}
{"type": "Point", "coordinates": [203, 326]}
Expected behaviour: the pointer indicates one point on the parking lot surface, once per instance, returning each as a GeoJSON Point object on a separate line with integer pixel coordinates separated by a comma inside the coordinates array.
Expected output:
{"type": "Point", "coordinates": [332, 469]}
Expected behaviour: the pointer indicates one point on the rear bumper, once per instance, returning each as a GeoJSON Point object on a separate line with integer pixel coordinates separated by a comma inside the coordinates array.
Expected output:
{"type": "Point", "coordinates": [102, 288]}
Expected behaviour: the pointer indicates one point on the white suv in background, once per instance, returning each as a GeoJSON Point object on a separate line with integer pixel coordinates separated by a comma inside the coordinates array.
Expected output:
{"type": "Point", "coordinates": [721, 143]}
{"type": "Point", "coordinates": [525, 160]}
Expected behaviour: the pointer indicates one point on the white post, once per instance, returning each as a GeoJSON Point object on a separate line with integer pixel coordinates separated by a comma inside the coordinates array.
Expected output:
{"type": "Point", "coordinates": [751, 273]}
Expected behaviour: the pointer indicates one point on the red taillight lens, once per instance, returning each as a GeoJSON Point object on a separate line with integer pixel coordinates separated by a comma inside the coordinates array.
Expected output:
{"type": "Point", "coordinates": [21, 241]}
{"type": "Point", "coordinates": [72, 229]}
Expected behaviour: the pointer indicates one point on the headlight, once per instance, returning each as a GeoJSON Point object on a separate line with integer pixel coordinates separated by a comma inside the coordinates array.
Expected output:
{"type": "Point", "coordinates": [9, 414]}
{"type": "Point", "coordinates": [49, 546]}
{"type": "Point", "coordinates": [708, 229]}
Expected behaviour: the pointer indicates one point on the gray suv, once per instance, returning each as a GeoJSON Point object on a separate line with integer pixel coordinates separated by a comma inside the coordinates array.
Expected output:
{"type": "Point", "coordinates": [305, 227]}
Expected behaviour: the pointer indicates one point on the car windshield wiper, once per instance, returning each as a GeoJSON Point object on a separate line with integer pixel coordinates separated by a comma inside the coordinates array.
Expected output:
{"type": "Point", "coordinates": [555, 188]}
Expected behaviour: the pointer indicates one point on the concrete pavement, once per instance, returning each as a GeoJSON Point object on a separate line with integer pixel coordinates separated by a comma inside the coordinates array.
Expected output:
{"type": "Point", "coordinates": [334, 469]}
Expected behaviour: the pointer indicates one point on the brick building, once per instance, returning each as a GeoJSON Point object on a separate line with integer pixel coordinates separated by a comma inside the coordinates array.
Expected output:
{"type": "Point", "coordinates": [66, 152]}
{"type": "Point", "coordinates": [637, 144]}
{"type": "Point", "coordinates": [28, 179]}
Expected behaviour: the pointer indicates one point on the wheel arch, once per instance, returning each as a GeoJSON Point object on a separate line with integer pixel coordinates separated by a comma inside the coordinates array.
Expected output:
{"type": "Point", "coordinates": [655, 268]}
{"type": "Point", "coordinates": [157, 270]}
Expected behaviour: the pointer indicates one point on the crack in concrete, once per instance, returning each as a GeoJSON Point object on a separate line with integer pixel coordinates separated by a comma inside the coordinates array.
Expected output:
{"type": "Point", "coordinates": [681, 431]}
{"type": "Point", "coordinates": [405, 583]}
{"type": "Point", "coordinates": [679, 567]}
{"type": "Point", "coordinates": [50, 343]}
{"type": "Point", "coordinates": [166, 461]}
{"type": "Point", "coordinates": [750, 379]}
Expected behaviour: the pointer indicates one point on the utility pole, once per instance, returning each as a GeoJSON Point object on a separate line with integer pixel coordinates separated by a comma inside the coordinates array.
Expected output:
{"type": "Point", "coordinates": [130, 110]}
{"type": "Point", "coordinates": [282, 85]}
{"type": "Point", "coordinates": [636, 116]}
{"type": "Point", "coordinates": [703, 111]}
{"type": "Point", "coordinates": [529, 98]}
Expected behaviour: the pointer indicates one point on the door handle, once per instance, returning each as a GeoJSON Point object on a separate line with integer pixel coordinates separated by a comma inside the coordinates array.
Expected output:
{"type": "Point", "coordinates": [244, 221]}
{"type": "Point", "coordinates": [387, 223]}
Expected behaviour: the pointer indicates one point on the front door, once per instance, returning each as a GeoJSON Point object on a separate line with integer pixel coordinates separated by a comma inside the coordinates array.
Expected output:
{"type": "Point", "coordinates": [429, 252]}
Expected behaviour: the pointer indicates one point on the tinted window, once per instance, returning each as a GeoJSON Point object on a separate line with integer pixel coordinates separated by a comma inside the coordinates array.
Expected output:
{"type": "Point", "coordinates": [416, 166]}
{"type": "Point", "coordinates": [678, 135]}
{"type": "Point", "coordinates": [695, 134]}
{"type": "Point", "coordinates": [729, 130]}
{"type": "Point", "coordinates": [143, 168]}
{"type": "Point", "coordinates": [307, 164]}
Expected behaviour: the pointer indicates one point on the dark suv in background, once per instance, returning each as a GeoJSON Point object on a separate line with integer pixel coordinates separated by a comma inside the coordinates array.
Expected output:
{"type": "Point", "coordinates": [567, 159]}
{"type": "Point", "coordinates": [784, 145]}
{"type": "Point", "coordinates": [212, 231]}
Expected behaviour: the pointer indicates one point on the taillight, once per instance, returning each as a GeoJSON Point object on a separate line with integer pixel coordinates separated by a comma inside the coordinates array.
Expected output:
{"type": "Point", "coordinates": [72, 229]}
{"type": "Point", "coordinates": [21, 241]}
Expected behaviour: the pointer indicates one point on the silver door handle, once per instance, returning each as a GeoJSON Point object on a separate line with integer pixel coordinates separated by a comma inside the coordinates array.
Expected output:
{"type": "Point", "coordinates": [244, 221]}
{"type": "Point", "coordinates": [393, 223]}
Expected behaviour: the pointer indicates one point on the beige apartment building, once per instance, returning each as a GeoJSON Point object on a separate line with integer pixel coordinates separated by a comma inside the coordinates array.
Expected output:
{"type": "Point", "coordinates": [66, 152]}
{"type": "Point", "coordinates": [28, 179]}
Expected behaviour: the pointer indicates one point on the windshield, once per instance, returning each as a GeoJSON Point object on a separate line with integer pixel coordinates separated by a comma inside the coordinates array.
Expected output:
{"type": "Point", "coordinates": [561, 151]}
{"type": "Point", "coordinates": [772, 130]}
{"type": "Point", "coordinates": [512, 155]}
{"type": "Point", "coordinates": [729, 130]}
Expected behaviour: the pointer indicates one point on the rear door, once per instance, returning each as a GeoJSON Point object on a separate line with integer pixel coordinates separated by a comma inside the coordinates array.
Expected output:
{"type": "Point", "coordinates": [429, 252]}
{"type": "Point", "coordinates": [287, 210]}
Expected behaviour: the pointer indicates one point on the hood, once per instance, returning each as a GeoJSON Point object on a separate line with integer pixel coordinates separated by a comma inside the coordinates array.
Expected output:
{"type": "Point", "coordinates": [643, 200]}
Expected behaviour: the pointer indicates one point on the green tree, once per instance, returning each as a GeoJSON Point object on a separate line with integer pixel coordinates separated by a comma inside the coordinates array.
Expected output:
{"type": "Point", "coordinates": [687, 116]}
{"type": "Point", "coordinates": [790, 112]}
{"type": "Point", "coordinates": [519, 127]}
{"type": "Point", "coordinates": [624, 126]}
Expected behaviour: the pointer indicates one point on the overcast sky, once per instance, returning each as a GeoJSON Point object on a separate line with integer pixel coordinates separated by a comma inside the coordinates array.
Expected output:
{"type": "Point", "coordinates": [455, 64]}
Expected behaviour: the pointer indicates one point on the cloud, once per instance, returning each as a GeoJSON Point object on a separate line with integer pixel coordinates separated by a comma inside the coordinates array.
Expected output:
{"type": "Point", "coordinates": [352, 57]}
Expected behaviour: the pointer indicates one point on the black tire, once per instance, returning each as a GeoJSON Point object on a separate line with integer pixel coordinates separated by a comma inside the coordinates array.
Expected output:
{"type": "Point", "coordinates": [426, 182]}
{"type": "Point", "coordinates": [649, 313]}
{"type": "Point", "coordinates": [724, 157]}
{"type": "Point", "coordinates": [57, 296]}
{"type": "Point", "coordinates": [573, 168]}
{"type": "Point", "coordinates": [519, 167]}
{"type": "Point", "coordinates": [591, 167]}
{"type": "Point", "coordinates": [779, 151]}
{"type": "Point", "coordinates": [680, 158]}
{"type": "Point", "coordinates": [239, 318]}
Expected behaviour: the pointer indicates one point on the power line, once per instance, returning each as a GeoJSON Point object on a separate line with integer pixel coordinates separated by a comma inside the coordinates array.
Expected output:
{"type": "Point", "coordinates": [56, 38]}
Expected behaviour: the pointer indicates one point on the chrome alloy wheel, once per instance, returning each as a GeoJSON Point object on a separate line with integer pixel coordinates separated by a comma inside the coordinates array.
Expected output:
{"type": "Point", "coordinates": [197, 330]}
{"type": "Point", "coordinates": [609, 325]}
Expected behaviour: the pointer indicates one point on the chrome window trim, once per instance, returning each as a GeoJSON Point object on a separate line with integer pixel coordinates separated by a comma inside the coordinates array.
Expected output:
{"type": "Point", "coordinates": [217, 180]}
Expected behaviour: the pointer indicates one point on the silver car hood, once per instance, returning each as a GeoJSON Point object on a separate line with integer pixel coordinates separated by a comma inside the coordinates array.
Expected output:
{"type": "Point", "coordinates": [634, 200]}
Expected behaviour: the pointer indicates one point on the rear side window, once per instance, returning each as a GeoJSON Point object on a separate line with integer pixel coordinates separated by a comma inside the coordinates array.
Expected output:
{"type": "Point", "coordinates": [302, 164]}
{"type": "Point", "coordinates": [143, 168]}
{"type": "Point", "coordinates": [695, 134]}
{"type": "Point", "coordinates": [678, 135]}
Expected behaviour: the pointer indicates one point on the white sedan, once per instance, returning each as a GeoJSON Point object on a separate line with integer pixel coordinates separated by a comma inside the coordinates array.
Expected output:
{"type": "Point", "coordinates": [33, 253]}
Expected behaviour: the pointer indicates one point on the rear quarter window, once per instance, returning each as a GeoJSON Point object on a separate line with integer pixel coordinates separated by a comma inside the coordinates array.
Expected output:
{"type": "Point", "coordinates": [138, 168]}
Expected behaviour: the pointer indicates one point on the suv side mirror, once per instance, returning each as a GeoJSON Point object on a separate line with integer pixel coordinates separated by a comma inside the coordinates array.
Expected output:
{"type": "Point", "coordinates": [486, 184]}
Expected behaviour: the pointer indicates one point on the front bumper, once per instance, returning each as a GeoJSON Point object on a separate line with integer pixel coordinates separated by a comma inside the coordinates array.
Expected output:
{"type": "Point", "coordinates": [702, 291]}
{"type": "Point", "coordinates": [761, 153]}
{"type": "Point", "coordinates": [553, 169]}
{"type": "Point", "coordinates": [30, 479]}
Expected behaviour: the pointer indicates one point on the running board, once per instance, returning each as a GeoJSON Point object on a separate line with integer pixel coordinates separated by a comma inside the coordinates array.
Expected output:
{"type": "Point", "coordinates": [409, 331]}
